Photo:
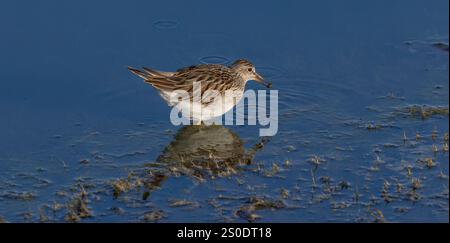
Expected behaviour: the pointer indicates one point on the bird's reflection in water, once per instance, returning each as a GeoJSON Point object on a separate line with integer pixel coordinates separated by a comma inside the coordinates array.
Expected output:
{"type": "Point", "coordinates": [202, 152]}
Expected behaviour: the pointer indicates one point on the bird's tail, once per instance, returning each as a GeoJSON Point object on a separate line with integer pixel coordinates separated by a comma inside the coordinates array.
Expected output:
{"type": "Point", "coordinates": [140, 73]}
{"type": "Point", "coordinates": [147, 73]}
{"type": "Point", "coordinates": [158, 79]}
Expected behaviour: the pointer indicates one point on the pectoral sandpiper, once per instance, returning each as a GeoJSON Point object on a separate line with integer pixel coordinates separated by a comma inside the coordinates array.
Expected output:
{"type": "Point", "coordinates": [210, 77]}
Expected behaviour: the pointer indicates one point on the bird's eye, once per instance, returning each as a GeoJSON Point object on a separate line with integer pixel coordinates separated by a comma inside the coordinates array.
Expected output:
{"type": "Point", "coordinates": [250, 69]}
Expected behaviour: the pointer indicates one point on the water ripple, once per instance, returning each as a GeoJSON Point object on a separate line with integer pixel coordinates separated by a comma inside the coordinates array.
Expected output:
{"type": "Point", "coordinates": [214, 60]}
{"type": "Point", "coordinates": [269, 72]}
{"type": "Point", "coordinates": [165, 24]}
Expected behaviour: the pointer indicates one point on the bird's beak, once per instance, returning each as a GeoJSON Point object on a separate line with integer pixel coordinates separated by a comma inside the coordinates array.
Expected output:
{"type": "Point", "coordinates": [260, 80]}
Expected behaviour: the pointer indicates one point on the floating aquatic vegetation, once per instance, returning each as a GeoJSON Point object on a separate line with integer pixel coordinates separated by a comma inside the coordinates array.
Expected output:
{"type": "Point", "coordinates": [329, 188]}
{"type": "Point", "coordinates": [385, 192]}
{"type": "Point", "coordinates": [145, 195]}
{"type": "Point", "coordinates": [316, 161]}
{"type": "Point", "coordinates": [42, 217]}
{"type": "Point", "coordinates": [377, 216]}
{"type": "Point", "coordinates": [344, 185]}
{"type": "Point", "coordinates": [257, 203]}
{"type": "Point", "coordinates": [434, 134]}
{"type": "Point", "coordinates": [248, 215]}
{"type": "Point", "coordinates": [399, 187]}
{"type": "Point", "coordinates": [434, 148]}
{"type": "Point", "coordinates": [409, 172]}
{"type": "Point", "coordinates": [27, 216]}
{"type": "Point", "coordinates": [413, 194]}
{"type": "Point", "coordinates": [49, 212]}
{"type": "Point", "coordinates": [428, 162]}
{"type": "Point", "coordinates": [376, 164]}
{"type": "Point", "coordinates": [418, 136]}
{"type": "Point", "coordinates": [416, 184]}
{"type": "Point", "coordinates": [275, 168]}
{"type": "Point", "coordinates": [340, 205]}
{"type": "Point", "coordinates": [122, 185]}
{"type": "Point", "coordinates": [77, 207]}
{"type": "Point", "coordinates": [147, 179]}
{"type": "Point", "coordinates": [424, 111]}
{"type": "Point", "coordinates": [183, 203]}
{"type": "Point", "coordinates": [287, 163]}
{"type": "Point", "coordinates": [284, 193]}
{"type": "Point", "coordinates": [54, 207]}
{"type": "Point", "coordinates": [372, 126]}
{"type": "Point", "coordinates": [154, 216]}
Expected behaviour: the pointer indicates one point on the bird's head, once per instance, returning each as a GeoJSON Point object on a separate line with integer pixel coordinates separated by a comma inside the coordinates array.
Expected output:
{"type": "Point", "coordinates": [248, 72]}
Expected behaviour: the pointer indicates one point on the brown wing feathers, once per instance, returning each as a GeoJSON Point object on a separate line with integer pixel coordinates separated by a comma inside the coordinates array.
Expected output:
{"type": "Point", "coordinates": [157, 79]}
{"type": "Point", "coordinates": [210, 75]}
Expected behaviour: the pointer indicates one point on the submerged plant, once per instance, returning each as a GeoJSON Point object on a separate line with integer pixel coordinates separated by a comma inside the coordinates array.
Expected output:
{"type": "Point", "coordinates": [77, 207]}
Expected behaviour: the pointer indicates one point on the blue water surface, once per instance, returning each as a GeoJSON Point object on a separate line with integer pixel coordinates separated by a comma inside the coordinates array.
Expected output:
{"type": "Point", "coordinates": [363, 105]}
